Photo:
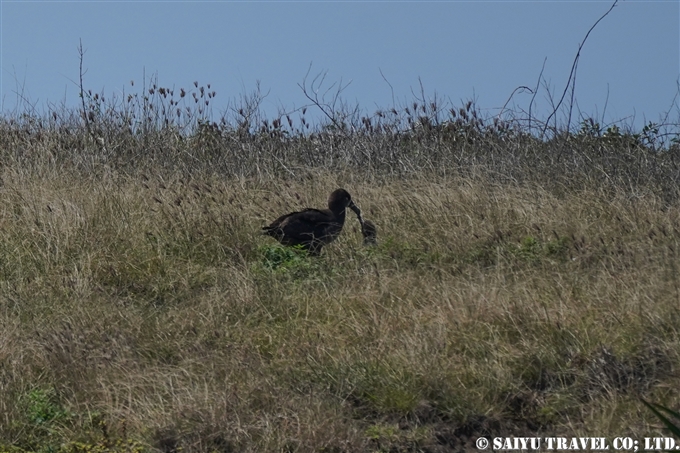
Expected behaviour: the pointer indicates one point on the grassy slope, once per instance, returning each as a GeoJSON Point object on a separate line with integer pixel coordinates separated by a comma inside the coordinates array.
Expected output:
{"type": "Point", "coordinates": [141, 313]}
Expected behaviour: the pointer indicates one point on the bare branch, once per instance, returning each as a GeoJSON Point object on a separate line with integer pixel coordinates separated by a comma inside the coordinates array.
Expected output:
{"type": "Point", "coordinates": [521, 87]}
{"type": "Point", "coordinates": [389, 84]}
{"type": "Point", "coordinates": [572, 75]}
{"type": "Point", "coordinates": [329, 109]}
{"type": "Point", "coordinates": [538, 82]}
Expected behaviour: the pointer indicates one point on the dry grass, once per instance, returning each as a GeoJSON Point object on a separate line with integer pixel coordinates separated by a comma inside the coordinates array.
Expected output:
{"type": "Point", "coordinates": [139, 312]}
{"type": "Point", "coordinates": [521, 285]}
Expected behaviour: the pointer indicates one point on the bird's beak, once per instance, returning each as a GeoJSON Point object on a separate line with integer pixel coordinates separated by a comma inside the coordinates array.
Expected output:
{"type": "Point", "coordinates": [356, 210]}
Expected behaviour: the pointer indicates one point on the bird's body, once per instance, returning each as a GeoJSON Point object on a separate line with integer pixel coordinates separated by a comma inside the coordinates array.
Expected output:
{"type": "Point", "coordinates": [313, 228]}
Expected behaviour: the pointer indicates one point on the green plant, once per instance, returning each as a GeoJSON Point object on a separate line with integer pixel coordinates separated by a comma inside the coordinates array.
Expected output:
{"type": "Point", "coordinates": [663, 414]}
{"type": "Point", "coordinates": [43, 407]}
{"type": "Point", "coordinates": [285, 259]}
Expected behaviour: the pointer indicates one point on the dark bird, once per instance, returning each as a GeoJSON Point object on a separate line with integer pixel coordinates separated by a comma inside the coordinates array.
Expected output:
{"type": "Point", "coordinates": [369, 231]}
{"type": "Point", "coordinates": [313, 228]}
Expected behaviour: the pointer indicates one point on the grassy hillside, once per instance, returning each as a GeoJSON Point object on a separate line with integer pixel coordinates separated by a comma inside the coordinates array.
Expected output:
{"type": "Point", "coordinates": [521, 286]}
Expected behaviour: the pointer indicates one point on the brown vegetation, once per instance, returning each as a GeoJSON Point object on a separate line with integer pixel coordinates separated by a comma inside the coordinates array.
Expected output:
{"type": "Point", "coordinates": [521, 285]}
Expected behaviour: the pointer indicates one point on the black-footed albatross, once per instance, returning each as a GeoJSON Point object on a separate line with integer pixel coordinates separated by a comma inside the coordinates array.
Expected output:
{"type": "Point", "coordinates": [369, 231]}
{"type": "Point", "coordinates": [313, 228]}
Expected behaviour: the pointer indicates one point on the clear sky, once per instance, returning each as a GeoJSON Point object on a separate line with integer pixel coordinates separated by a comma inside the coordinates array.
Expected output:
{"type": "Point", "coordinates": [461, 50]}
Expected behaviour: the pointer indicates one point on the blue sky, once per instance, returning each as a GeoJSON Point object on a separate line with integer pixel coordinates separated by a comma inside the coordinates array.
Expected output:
{"type": "Point", "coordinates": [458, 49]}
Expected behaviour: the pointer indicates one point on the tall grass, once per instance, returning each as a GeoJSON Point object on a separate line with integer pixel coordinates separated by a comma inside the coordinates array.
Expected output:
{"type": "Point", "coordinates": [522, 285]}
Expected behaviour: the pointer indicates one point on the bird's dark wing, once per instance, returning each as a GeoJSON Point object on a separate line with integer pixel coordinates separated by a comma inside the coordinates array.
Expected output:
{"type": "Point", "coordinates": [299, 226]}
